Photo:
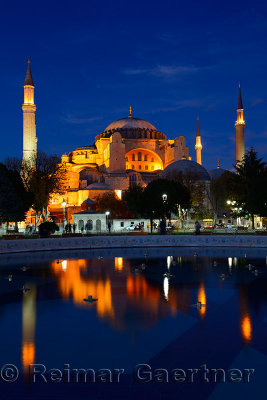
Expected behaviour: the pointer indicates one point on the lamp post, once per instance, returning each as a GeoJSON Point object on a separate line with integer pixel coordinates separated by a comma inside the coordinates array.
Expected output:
{"type": "Point", "coordinates": [64, 212]}
{"type": "Point", "coordinates": [164, 198]}
{"type": "Point", "coordinates": [107, 220]}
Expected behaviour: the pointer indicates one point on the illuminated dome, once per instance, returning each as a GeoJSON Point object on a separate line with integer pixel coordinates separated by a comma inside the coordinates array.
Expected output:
{"type": "Point", "coordinates": [184, 167]}
{"type": "Point", "coordinates": [130, 123]}
{"type": "Point", "coordinates": [132, 128]}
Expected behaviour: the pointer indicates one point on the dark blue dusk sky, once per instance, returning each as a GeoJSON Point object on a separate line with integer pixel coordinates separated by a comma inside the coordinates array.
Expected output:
{"type": "Point", "coordinates": [169, 60]}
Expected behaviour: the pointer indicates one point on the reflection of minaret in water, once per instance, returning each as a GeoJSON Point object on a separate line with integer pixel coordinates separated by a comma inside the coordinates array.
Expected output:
{"type": "Point", "coordinates": [198, 146]}
{"type": "Point", "coordinates": [240, 128]}
{"type": "Point", "coordinates": [28, 327]}
{"type": "Point", "coordinates": [245, 321]}
{"type": "Point", "coordinates": [201, 297]}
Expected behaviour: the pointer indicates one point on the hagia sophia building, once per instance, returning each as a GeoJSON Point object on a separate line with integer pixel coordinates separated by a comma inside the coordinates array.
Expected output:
{"type": "Point", "coordinates": [128, 151]}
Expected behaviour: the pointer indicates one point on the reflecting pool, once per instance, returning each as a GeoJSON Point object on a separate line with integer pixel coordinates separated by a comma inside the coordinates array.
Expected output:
{"type": "Point", "coordinates": [168, 308]}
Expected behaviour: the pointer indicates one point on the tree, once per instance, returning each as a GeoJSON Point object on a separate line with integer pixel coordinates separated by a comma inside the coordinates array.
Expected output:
{"type": "Point", "coordinates": [47, 178]}
{"type": "Point", "coordinates": [15, 201]}
{"type": "Point", "coordinates": [134, 199]}
{"type": "Point", "coordinates": [251, 182]}
{"type": "Point", "coordinates": [199, 194]}
{"type": "Point", "coordinates": [177, 199]}
{"type": "Point", "coordinates": [110, 202]}
{"type": "Point", "coordinates": [222, 189]}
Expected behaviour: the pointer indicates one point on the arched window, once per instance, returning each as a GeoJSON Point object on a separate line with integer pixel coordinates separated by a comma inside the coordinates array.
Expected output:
{"type": "Point", "coordinates": [132, 166]}
{"type": "Point", "coordinates": [140, 167]}
{"type": "Point", "coordinates": [81, 225]}
{"type": "Point", "coordinates": [152, 159]}
{"type": "Point", "coordinates": [89, 225]}
{"type": "Point", "coordinates": [146, 167]}
{"type": "Point", "coordinates": [145, 158]}
{"type": "Point", "coordinates": [133, 157]}
{"type": "Point", "coordinates": [98, 225]}
{"type": "Point", "coordinates": [139, 156]}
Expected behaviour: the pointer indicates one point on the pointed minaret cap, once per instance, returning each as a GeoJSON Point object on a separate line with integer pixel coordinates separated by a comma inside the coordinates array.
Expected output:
{"type": "Point", "coordinates": [130, 113]}
{"type": "Point", "coordinates": [218, 166]}
{"type": "Point", "coordinates": [28, 77]}
{"type": "Point", "coordinates": [198, 130]}
{"type": "Point", "coordinates": [239, 102]}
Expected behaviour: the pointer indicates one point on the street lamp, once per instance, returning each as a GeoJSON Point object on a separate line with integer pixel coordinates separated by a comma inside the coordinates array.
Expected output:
{"type": "Point", "coordinates": [64, 214]}
{"type": "Point", "coordinates": [164, 197]}
{"type": "Point", "coordinates": [107, 220]}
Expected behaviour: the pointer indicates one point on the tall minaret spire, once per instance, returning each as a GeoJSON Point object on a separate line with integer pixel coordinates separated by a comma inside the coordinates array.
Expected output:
{"type": "Point", "coordinates": [29, 126]}
{"type": "Point", "coordinates": [198, 145]}
{"type": "Point", "coordinates": [240, 128]}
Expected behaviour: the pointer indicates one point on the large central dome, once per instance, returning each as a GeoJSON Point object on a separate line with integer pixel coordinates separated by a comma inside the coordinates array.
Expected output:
{"type": "Point", "coordinates": [130, 123]}
{"type": "Point", "coordinates": [132, 128]}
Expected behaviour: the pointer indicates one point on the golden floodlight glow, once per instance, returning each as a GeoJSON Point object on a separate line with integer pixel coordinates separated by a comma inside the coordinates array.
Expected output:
{"type": "Point", "coordinates": [28, 95]}
{"type": "Point", "coordinates": [73, 284]}
{"type": "Point", "coordinates": [118, 193]}
{"type": "Point", "coordinates": [246, 328]}
{"type": "Point", "coordinates": [119, 263]}
{"type": "Point", "coordinates": [202, 299]}
{"type": "Point", "coordinates": [28, 354]}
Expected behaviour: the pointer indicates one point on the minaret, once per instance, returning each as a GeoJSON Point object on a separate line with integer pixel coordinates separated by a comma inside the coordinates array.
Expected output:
{"type": "Point", "coordinates": [240, 128]}
{"type": "Point", "coordinates": [29, 126]}
{"type": "Point", "coordinates": [198, 145]}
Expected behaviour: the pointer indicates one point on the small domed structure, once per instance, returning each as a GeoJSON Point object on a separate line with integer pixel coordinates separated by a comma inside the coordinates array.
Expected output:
{"type": "Point", "coordinates": [184, 167]}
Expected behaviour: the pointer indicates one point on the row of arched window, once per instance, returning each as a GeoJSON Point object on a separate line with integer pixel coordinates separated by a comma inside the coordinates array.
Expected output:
{"type": "Point", "coordinates": [139, 157]}
{"type": "Point", "coordinates": [89, 225]}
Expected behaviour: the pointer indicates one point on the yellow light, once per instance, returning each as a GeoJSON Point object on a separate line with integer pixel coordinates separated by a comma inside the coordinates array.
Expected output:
{"type": "Point", "coordinates": [28, 354]}
{"type": "Point", "coordinates": [118, 193]}
{"type": "Point", "coordinates": [246, 328]}
{"type": "Point", "coordinates": [202, 299]}
{"type": "Point", "coordinates": [119, 263]}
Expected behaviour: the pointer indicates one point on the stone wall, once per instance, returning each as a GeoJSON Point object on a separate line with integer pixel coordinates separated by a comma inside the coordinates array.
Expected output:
{"type": "Point", "coordinates": [109, 242]}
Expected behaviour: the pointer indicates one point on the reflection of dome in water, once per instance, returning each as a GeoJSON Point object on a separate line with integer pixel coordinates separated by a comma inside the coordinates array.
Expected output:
{"type": "Point", "coordinates": [186, 166]}
{"type": "Point", "coordinates": [130, 123]}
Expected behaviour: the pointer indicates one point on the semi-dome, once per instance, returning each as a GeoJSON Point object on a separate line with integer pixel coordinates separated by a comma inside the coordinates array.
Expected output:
{"type": "Point", "coordinates": [184, 167]}
{"type": "Point", "coordinates": [130, 123]}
